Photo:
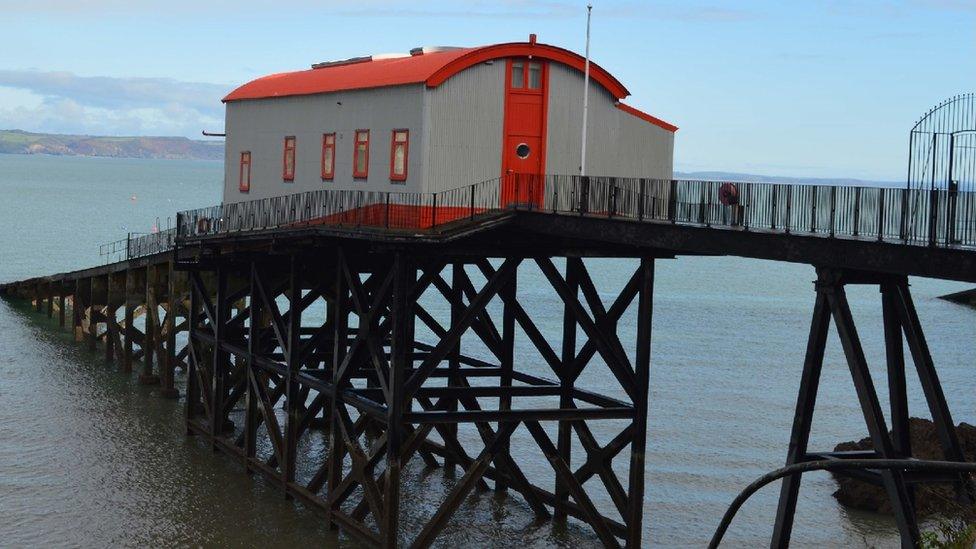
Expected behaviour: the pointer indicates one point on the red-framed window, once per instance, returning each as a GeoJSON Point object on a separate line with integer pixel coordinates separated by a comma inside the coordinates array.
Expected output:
{"type": "Point", "coordinates": [288, 159]}
{"type": "Point", "coordinates": [360, 158]}
{"type": "Point", "coordinates": [244, 177]}
{"type": "Point", "coordinates": [399, 149]}
{"type": "Point", "coordinates": [527, 75]}
{"type": "Point", "coordinates": [328, 156]}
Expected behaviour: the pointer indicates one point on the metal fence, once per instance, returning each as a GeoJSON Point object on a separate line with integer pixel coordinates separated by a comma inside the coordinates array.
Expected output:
{"type": "Point", "coordinates": [937, 217]}
{"type": "Point", "coordinates": [923, 217]}
{"type": "Point", "coordinates": [136, 245]}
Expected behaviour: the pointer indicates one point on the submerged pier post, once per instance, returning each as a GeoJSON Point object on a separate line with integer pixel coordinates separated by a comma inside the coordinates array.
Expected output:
{"type": "Point", "coordinates": [150, 351]}
{"type": "Point", "coordinates": [132, 300]}
{"type": "Point", "coordinates": [172, 300]}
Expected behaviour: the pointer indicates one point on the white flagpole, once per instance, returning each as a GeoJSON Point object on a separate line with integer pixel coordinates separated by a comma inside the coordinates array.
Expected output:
{"type": "Point", "coordinates": [586, 90]}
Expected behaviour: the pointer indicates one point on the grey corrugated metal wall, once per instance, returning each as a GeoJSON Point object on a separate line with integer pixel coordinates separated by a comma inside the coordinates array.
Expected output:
{"type": "Point", "coordinates": [455, 135]}
{"type": "Point", "coordinates": [618, 143]}
{"type": "Point", "coordinates": [260, 126]}
{"type": "Point", "coordinates": [464, 132]}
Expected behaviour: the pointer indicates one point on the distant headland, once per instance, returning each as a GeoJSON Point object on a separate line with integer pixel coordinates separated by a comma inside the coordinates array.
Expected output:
{"type": "Point", "coordinates": [177, 148]}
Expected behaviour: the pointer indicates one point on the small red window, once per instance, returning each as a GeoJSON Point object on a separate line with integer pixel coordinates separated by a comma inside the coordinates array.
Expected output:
{"type": "Point", "coordinates": [288, 163]}
{"type": "Point", "coordinates": [360, 160]}
{"type": "Point", "coordinates": [244, 178]}
{"type": "Point", "coordinates": [328, 156]}
{"type": "Point", "coordinates": [399, 146]}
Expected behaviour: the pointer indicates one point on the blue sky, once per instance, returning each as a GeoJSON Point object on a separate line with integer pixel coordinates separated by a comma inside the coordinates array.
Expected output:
{"type": "Point", "coordinates": [820, 88]}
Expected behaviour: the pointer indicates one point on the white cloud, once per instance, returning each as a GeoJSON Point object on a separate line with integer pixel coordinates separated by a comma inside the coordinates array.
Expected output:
{"type": "Point", "coordinates": [62, 102]}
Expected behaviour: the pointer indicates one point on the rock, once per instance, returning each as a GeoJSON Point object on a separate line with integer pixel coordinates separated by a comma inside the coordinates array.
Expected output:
{"type": "Point", "coordinates": [929, 498]}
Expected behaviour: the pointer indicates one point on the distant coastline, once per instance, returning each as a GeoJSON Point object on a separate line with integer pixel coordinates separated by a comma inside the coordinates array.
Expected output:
{"type": "Point", "coordinates": [170, 148]}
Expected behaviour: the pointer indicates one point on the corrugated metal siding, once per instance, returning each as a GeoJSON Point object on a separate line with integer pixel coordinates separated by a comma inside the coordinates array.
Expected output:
{"type": "Point", "coordinates": [465, 127]}
{"type": "Point", "coordinates": [261, 126]}
{"type": "Point", "coordinates": [618, 144]}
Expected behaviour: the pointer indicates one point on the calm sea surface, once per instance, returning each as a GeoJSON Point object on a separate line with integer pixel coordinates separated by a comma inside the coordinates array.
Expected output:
{"type": "Point", "coordinates": [89, 458]}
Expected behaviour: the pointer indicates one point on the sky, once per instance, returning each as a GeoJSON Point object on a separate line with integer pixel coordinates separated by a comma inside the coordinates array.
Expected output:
{"type": "Point", "coordinates": [814, 88]}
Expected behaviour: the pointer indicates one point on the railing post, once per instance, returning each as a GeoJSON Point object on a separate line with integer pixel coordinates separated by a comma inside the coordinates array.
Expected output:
{"type": "Point", "coordinates": [933, 216]}
{"type": "Point", "coordinates": [387, 210]}
{"type": "Point", "coordinates": [709, 194]}
{"type": "Point", "coordinates": [584, 205]}
{"type": "Point", "coordinates": [612, 198]}
{"type": "Point", "coordinates": [433, 210]}
{"type": "Point", "coordinates": [881, 213]}
{"type": "Point", "coordinates": [472, 202]}
{"type": "Point", "coordinates": [903, 217]}
{"type": "Point", "coordinates": [746, 206]}
{"type": "Point", "coordinates": [813, 209]}
{"type": "Point", "coordinates": [952, 198]}
{"type": "Point", "coordinates": [640, 199]}
{"type": "Point", "coordinates": [857, 210]}
{"type": "Point", "coordinates": [789, 207]}
{"type": "Point", "coordinates": [128, 245]}
{"type": "Point", "coordinates": [673, 202]}
{"type": "Point", "coordinates": [833, 210]}
{"type": "Point", "coordinates": [772, 216]}
{"type": "Point", "coordinates": [555, 193]}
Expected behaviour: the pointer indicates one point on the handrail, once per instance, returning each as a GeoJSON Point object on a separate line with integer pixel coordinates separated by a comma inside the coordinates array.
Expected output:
{"type": "Point", "coordinates": [919, 217]}
{"type": "Point", "coordinates": [936, 218]}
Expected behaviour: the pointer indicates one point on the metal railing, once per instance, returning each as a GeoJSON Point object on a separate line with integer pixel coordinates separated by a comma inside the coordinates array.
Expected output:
{"type": "Point", "coordinates": [136, 245]}
{"type": "Point", "coordinates": [920, 217]}
{"type": "Point", "coordinates": [945, 218]}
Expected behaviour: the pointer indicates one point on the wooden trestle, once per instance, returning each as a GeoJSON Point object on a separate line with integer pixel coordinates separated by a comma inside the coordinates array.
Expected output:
{"type": "Point", "coordinates": [265, 372]}
{"type": "Point", "coordinates": [137, 310]}
{"type": "Point", "coordinates": [901, 325]}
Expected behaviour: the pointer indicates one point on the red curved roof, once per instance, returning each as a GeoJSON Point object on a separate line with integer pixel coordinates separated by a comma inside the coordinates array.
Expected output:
{"type": "Point", "coordinates": [430, 68]}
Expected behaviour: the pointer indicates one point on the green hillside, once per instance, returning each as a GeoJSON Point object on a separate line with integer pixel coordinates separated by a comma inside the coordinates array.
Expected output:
{"type": "Point", "coordinates": [21, 142]}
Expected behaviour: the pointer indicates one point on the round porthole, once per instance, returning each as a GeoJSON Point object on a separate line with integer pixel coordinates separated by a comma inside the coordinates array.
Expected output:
{"type": "Point", "coordinates": [522, 150]}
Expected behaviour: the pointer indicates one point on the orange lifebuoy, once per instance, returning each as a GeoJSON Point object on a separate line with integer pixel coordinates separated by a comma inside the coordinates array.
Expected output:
{"type": "Point", "coordinates": [728, 194]}
{"type": "Point", "coordinates": [203, 225]}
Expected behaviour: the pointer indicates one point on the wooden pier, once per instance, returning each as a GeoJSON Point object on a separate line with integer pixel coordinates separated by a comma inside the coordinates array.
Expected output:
{"type": "Point", "coordinates": [396, 333]}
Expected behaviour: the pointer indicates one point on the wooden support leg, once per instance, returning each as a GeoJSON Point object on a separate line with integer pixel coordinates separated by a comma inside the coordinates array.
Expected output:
{"type": "Point", "coordinates": [61, 309]}
{"type": "Point", "coordinates": [401, 345]}
{"type": "Point", "coordinates": [340, 322]}
{"type": "Point", "coordinates": [802, 420]}
{"type": "Point", "coordinates": [193, 390]}
{"type": "Point", "coordinates": [131, 302]}
{"type": "Point", "coordinates": [508, 294]}
{"type": "Point", "coordinates": [148, 376]}
{"type": "Point", "coordinates": [221, 360]}
{"type": "Point", "coordinates": [566, 380]}
{"type": "Point", "coordinates": [895, 354]}
{"type": "Point", "coordinates": [642, 367]}
{"type": "Point", "coordinates": [893, 480]}
{"type": "Point", "coordinates": [254, 333]}
{"type": "Point", "coordinates": [111, 331]}
{"type": "Point", "coordinates": [931, 386]}
{"type": "Point", "coordinates": [49, 294]}
{"type": "Point", "coordinates": [293, 401]}
{"type": "Point", "coordinates": [173, 306]}
{"type": "Point", "coordinates": [92, 334]}
{"type": "Point", "coordinates": [457, 309]}
{"type": "Point", "coordinates": [77, 312]}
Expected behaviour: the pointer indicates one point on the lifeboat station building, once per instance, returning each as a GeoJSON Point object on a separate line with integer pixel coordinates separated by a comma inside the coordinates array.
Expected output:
{"type": "Point", "coordinates": [435, 119]}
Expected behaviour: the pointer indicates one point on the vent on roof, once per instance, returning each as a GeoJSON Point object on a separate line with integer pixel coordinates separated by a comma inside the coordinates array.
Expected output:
{"type": "Point", "coordinates": [432, 49]}
{"type": "Point", "coordinates": [362, 59]}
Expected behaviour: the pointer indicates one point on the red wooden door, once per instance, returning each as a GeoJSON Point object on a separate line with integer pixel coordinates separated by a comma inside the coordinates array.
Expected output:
{"type": "Point", "coordinates": [523, 146]}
